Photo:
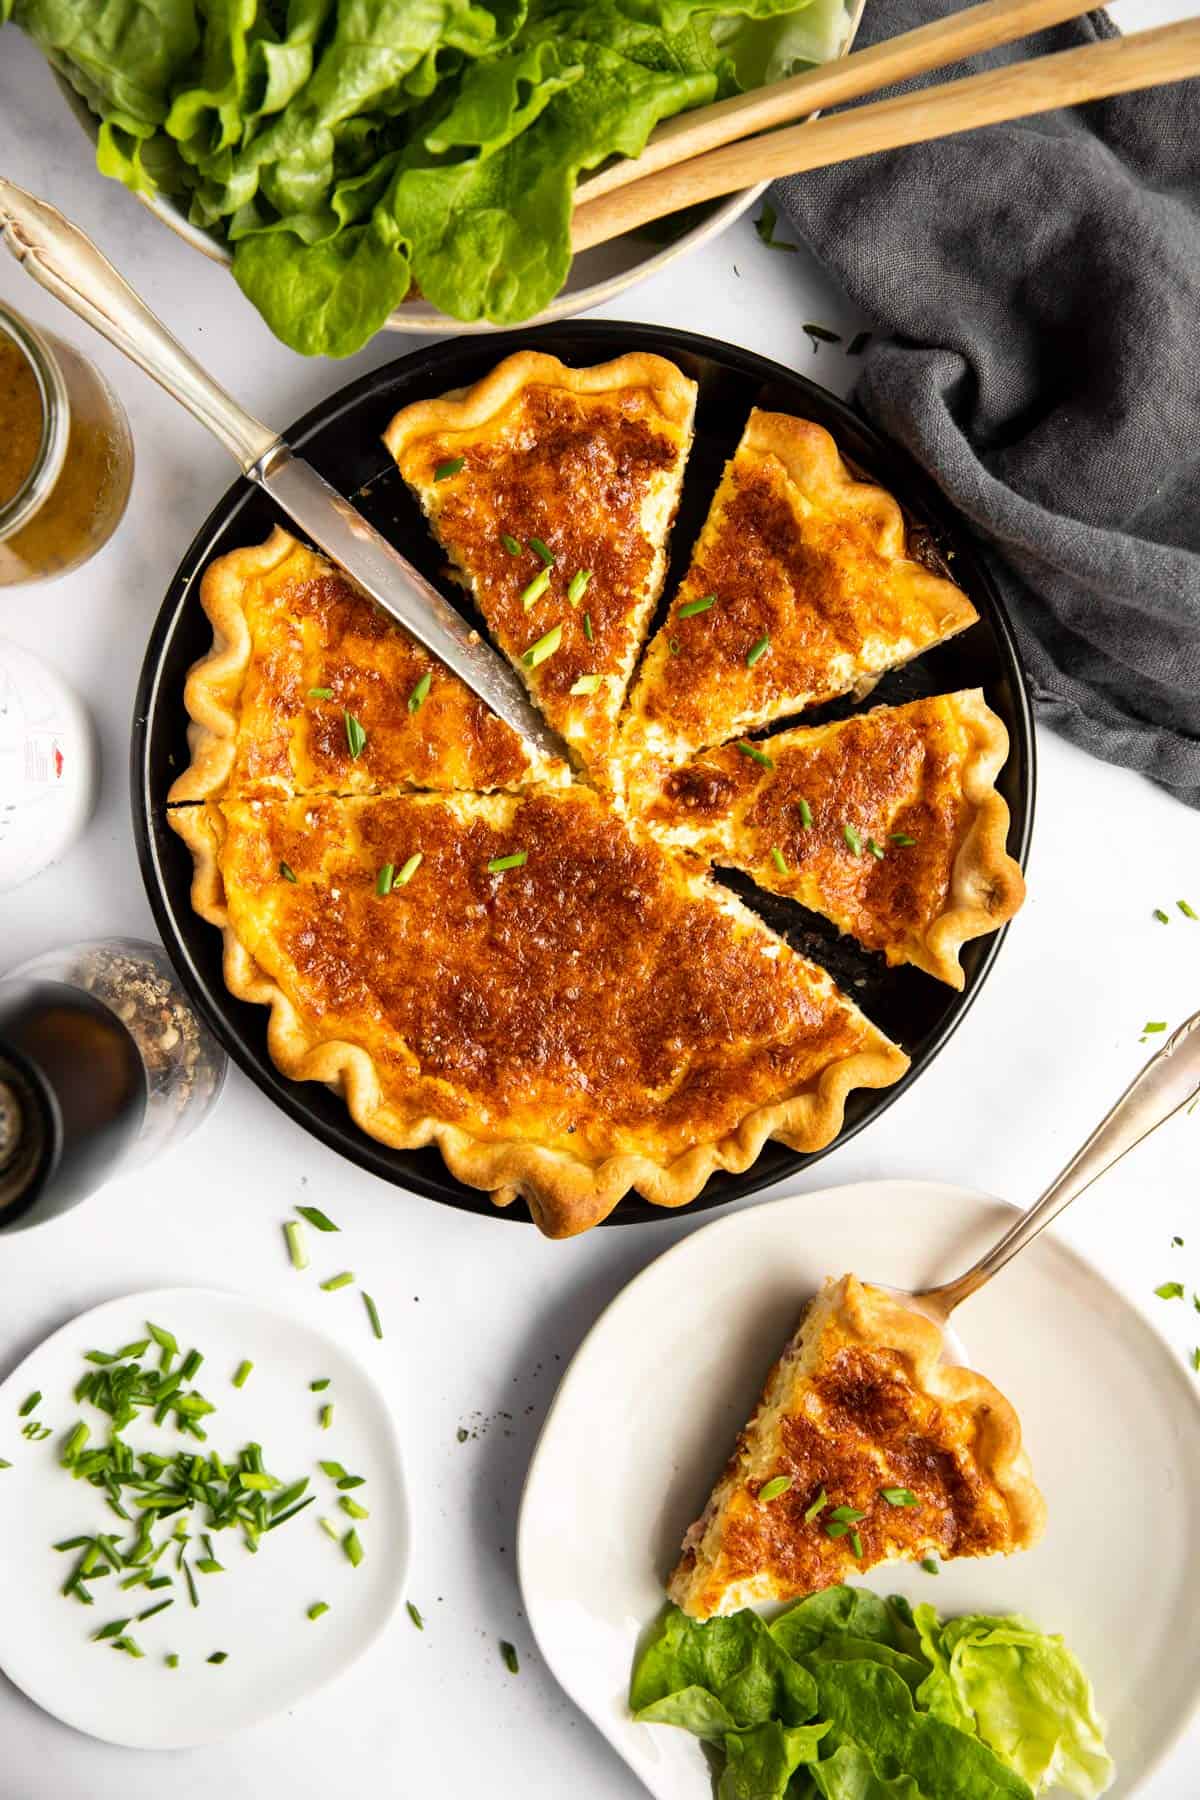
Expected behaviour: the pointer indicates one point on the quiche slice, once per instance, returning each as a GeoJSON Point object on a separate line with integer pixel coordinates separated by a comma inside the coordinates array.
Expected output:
{"type": "Point", "coordinates": [865, 1449]}
{"type": "Point", "coordinates": [564, 1009]}
{"type": "Point", "coordinates": [887, 823]}
{"type": "Point", "coordinates": [309, 686]}
{"type": "Point", "coordinates": [553, 491]}
{"type": "Point", "coordinates": [800, 588]}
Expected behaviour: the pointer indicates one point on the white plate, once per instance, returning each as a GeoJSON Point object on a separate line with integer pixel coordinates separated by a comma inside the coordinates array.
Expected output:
{"type": "Point", "coordinates": [648, 1411]}
{"type": "Point", "coordinates": [256, 1610]}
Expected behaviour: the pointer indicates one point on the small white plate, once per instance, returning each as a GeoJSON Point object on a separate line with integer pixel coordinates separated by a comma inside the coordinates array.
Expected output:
{"type": "Point", "coordinates": [649, 1409]}
{"type": "Point", "coordinates": [256, 1610]}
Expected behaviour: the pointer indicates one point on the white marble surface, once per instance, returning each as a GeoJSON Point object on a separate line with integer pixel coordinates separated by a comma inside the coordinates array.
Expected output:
{"type": "Point", "coordinates": [481, 1314]}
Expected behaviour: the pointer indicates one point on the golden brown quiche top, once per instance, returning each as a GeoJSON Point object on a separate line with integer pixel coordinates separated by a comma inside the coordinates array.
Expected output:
{"type": "Point", "coordinates": [800, 588]}
{"type": "Point", "coordinates": [888, 823]}
{"type": "Point", "coordinates": [553, 491]}
{"type": "Point", "coordinates": [301, 664]}
{"type": "Point", "coordinates": [592, 1015]}
{"type": "Point", "coordinates": [865, 1449]}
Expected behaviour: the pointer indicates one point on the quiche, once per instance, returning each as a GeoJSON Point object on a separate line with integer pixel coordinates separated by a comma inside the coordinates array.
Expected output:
{"type": "Point", "coordinates": [552, 491]}
{"type": "Point", "coordinates": [888, 823]}
{"type": "Point", "coordinates": [566, 1010]}
{"type": "Point", "coordinates": [801, 587]}
{"type": "Point", "coordinates": [301, 665]}
{"type": "Point", "coordinates": [865, 1449]}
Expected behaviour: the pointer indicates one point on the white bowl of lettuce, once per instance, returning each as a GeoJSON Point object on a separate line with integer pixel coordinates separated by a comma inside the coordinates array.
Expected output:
{"type": "Point", "coordinates": [368, 165]}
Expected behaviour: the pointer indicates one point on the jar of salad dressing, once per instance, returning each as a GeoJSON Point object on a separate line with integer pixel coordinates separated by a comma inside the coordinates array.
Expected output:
{"type": "Point", "coordinates": [66, 456]}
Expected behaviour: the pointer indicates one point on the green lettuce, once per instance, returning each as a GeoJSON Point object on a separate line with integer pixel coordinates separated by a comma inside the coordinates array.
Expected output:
{"type": "Point", "coordinates": [760, 1763]}
{"type": "Point", "coordinates": [736, 1660]}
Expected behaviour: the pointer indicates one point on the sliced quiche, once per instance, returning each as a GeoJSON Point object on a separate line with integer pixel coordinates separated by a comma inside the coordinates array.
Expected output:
{"type": "Point", "coordinates": [801, 587]}
{"type": "Point", "coordinates": [865, 1449]}
{"type": "Point", "coordinates": [888, 823]}
{"type": "Point", "coordinates": [552, 491]}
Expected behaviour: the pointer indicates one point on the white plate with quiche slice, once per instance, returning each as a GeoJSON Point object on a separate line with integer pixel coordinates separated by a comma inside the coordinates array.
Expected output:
{"type": "Point", "coordinates": [650, 1410]}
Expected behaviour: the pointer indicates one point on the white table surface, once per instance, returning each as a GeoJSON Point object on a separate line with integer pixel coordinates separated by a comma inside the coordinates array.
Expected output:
{"type": "Point", "coordinates": [480, 1314]}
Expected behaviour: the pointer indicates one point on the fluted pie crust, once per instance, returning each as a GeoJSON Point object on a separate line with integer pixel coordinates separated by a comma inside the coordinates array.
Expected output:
{"type": "Point", "coordinates": [860, 1402]}
{"type": "Point", "coordinates": [479, 949]}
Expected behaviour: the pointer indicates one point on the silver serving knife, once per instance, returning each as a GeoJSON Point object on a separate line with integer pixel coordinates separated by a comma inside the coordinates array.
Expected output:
{"type": "Point", "coordinates": [63, 259]}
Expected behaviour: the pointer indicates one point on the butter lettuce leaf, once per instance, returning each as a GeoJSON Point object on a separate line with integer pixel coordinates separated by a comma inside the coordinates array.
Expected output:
{"type": "Point", "coordinates": [760, 1763]}
{"type": "Point", "coordinates": [849, 1774]}
{"type": "Point", "coordinates": [736, 1660]}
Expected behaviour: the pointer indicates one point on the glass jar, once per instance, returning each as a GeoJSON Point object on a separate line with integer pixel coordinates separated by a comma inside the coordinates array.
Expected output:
{"type": "Point", "coordinates": [66, 455]}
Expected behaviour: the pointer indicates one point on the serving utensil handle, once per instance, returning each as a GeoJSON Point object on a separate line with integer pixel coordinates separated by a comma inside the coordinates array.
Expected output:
{"type": "Point", "coordinates": [63, 259]}
{"type": "Point", "coordinates": [1169, 1081]}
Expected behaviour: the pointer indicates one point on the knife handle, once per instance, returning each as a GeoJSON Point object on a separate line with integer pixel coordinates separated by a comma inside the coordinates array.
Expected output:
{"type": "Point", "coordinates": [63, 259]}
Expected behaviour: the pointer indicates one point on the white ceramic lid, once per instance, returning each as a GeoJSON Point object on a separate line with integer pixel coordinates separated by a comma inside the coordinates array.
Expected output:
{"type": "Point", "coordinates": [49, 766]}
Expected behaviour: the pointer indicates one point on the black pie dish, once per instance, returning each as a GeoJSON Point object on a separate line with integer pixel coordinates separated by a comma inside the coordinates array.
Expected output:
{"type": "Point", "coordinates": [342, 437]}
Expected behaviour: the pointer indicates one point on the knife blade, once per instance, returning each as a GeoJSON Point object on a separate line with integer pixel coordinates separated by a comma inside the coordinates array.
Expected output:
{"type": "Point", "coordinates": [63, 259]}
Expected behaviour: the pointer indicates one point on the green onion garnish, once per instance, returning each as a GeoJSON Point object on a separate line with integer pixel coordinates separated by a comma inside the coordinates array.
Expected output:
{"type": "Point", "coordinates": [318, 1387]}
{"type": "Point", "coordinates": [208, 1565]}
{"type": "Point", "coordinates": [930, 1565]}
{"type": "Point", "coordinates": [287, 871]}
{"type": "Point", "coordinates": [129, 1646]}
{"type": "Point", "coordinates": [899, 1496]}
{"type": "Point", "coordinates": [218, 1656]}
{"type": "Point", "coordinates": [509, 1654]}
{"type": "Point", "coordinates": [356, 737]}
{"type": "Point", "coordinates": [151, 1610]}
{"type": "Point", "coordinates": [330, 1529]}
{"type": "Point", "coordinates": [1155, 1025]}
{"type": "Point", "coordinates": [414, 1615]}
{"type": "Point", "coordinates": [515, 860]}
{"type": "Point", "coordinates": [1185, 909]}
{"type": "Point", "coordinates": [856, 1544]}
{"type": "Point", "coordinates": [172, 1661]}
{"type": "Point", "coordinates": [539, 549]}
{"type": "Point", "coordinates": [820, 334]}
{"type": "Point", "coordinates": [243, 1374]}
{"type": "Point", "coordinates": [420, 693]}
{"type": "Point", "coordinates": [777, 859]}
{"type": "Point", "coordinates": [452, 466]}
{"type": "Point", "coordinates": [353, 1547]}
{"type": "Point", "coordinates": [193, 1596]}
{"type": "Point", "coordinates": [805, 811]}
{"type": "Point", "coordinates": [317, 1219]}
{"type": "Point", "coordinates": [588, 633]}
{"type": "Point", "coordinates": [778, 1484]}
{"type": "Point", "coordinates": [191, 1364]}
{"type": "Point", "coordinates": [755, 755]}
{"type": "Point", "coordinates": [757, 651]}
{"type": "Point", "coordinates": [902, 838]}
{"type": "Point", "coordinates": [818, 1506]}
{"type": "Point", "coordinates": [75, 1442]}
{"type": "Point", "coordinates": [673, 646]}
{"type": "Point", "coordinates": [384, 879]}
{"type": "Point", "coordinates": [850, 1515]}
{"type": "Point", "coordinates": [334, 1470]}
{"type": "Point", "coordinates": [297, 1248]}
{"type": "Point", "coordinates": [326, 1416]}
{"type": "Point", "coordinates": [544, 648]}
{"type": "Point", "coordinates": [318, 1608]}
{"type": "Point", "coordinates": [27, 1406]}
{"type": "Point", "coordinates": [854, 842]}
{"type": "Point", "coordinates": [1162, 917]}
{"type": "Point", "coordinates": [320, 693]}
{"type": "Point", "coordinates": [405, 874]}
{"type": "Point", "coordinates": [113, 1629]}
{"type": "Point", "coordinates": [373, 1315]}
{"type": "Point", "coordinates": [166, 1340]}
{"type": "Point", "coordinates": [587, 684]}
{"type": "Point", "coordinates": [510, 543]}
{"type": "Point", "coordinates": [692, 607]}
{"type": "Point", "coordinates": [1170, 1290]}
{"type": "Point", "coordinates": [345, 1279]}
{"type": "Point", "coordinates": [537, 587]}
{"type": "Point", "coordinates": [875, 849]}
{"type": "Point", "coordinates": [579, 586]}
{"type": "Point", "coordinates": [351, 1507]}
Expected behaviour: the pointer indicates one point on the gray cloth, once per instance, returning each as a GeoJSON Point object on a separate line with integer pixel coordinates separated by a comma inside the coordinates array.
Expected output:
{"type": "Point", "coordinates": [1037, 287]}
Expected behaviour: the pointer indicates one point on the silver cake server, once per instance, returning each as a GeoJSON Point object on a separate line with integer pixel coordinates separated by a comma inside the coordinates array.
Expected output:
{"type": "Point", "coordinates": [63, 259]}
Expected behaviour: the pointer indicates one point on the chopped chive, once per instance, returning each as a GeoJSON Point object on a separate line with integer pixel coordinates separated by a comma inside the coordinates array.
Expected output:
{"type": "Point", "coordinates": [778, 1484]}
{"type": "Point", "coordinates": [452, 466]}
{"type": "Point", "coordinates": [317, 1219]}
{"type": "Point", "coordinates": [587, 684]}
{"type": "Point", "coordinates": [334, 1470]}
{"type": "Point", "coordinates": [853, 841]}
{"type": "Point", "coordinates": [856, 1544]}
{"type": "Point", "coordinates": [297, 1248]}
{"type": "Point", "coordinates": [755, 755]}
{"type": "Point", "coordinates": [777, 859]}
{"type": "Point", "coordinates": [508, 1653]}
{"type": "Point", "coordinates": [385, 878]}
{"type": "Point", "coordinates": [75, 1442]}
{"type": "Point", "coordinates": [190, 1365]}
{"type": "Point", "coordinates": [849, 1515]}
{"type": "Point", "coordinates": [352, 1481]}
{"type": "Point", "coordinates": [113, 1629]}
{"type": "Point", "coordinates": [588, 633]}
{"type": "Point", "coordinates": [902, 838]}
{"type": "Point", "coordinates": [414, 1614]}
{"type": "Point", "coordinates": [537, 587]}
{"type": "Point", "coordinates": [757, 651]}
{"type": "Point", "coordinates": [151, 1610]}
{"type": "Point", "coordinates": [692, 607]}
{"type": "Point", "coordinates": [1177, 1243]}
{"type": "Point", "coordinates": [75, 1543]}
{"type": "Point", "coordinates": [899, 1496]}
{"type": "Point", "coordinates": [821, 334]}
{"type": "Point", "coordinates": [208, 1565]}
{"type": "Point", "coordinates": [1155, 1025]}
{"type": "Point", "coordinates": [1185, 909]}
{"type": "Point", "coordinates": [172, 1660]}
{"type": "Point", "coordinates": [129, 1646]}
{"type": "Point", "coordinates": [875, 849]}
{"type": "Point", "coordinates": [930, 1565]}
{"type": "Point", "coordinates": [287, 871]}
{"type": "Point", "coordinates": [330, 1529]}
{"type": "Point", "coordinates": [283, 1517]}
{"type": "Point", "coordinates": [218, 1656]}
{"type": "Point", "coordinates": [805, 811]}
{"type": "Point", "coordinates": [345, 1279]}
{"type": "Point", "coordinates": [818, 1506]}
{"type": "Point", "coordinates": [578, 586]}
{"type": "Point", "coordinates": [859, 342]}
{"type": "Point", "coordinates": [510, 543]}
{"type": "Point", "coordinates": [420, 693]}
{"type": "Point", "coordinates": [257, 1481]}
{"type": "Point", "coordinates": [326, 1416]}
{"type": "Point", "coordinates": [673, 646]}
{"type": "Point", "coordinates": [317, 1609]}
{"type": "Point", "coordinates": [515, 860]}
{"type": "Point", "coordinates": [193, 1596]}
{"type": "Point", "coordinates": [351, 1507]}
{"type": "Point", "coordinates": [242, 1376]}
{"type": "Point", "coordinates": [541, 550]}
{"type": "Point", "coordinates": [352, 1545]}
{"type": "Point", "coordinates": [356, 737]}
{"type": "Point", "coordinates": [320, 693]}
{"type": "Point", "coordinates": [1170, 1290]}
{"type": "Point", "coordinates": [1162, 917]}
{"type": "Point", "coordinates": [166, 1340]}
{"type": "Point", "coordinates": [405, 874]}
{"type": "Point", "coordinates": [544, 648]}
{"type": "Point", "coordinates": [138, 1347]}
{"type": "Point", "coordinates": [318, 1387]}
{"type": "Point", "coordinates": [373, 1315]}
{"type": "Point", "coordinates": [27, 1406]}
{"type": "Point", "coordinates": [159, 1581]}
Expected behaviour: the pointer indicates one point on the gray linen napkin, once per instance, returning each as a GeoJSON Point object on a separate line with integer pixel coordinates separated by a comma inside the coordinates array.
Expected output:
{"type": "Point", "coordinates": [1037, 288]}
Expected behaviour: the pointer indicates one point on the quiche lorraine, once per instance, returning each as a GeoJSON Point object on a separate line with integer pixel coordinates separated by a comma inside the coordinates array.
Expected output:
{"type": "Point", "coordinates": [888, 823]}
{"type": "Point", "coordinates": [563, 1008]}
{"type": "Point", "coordinates": [865, 1449]}
{"type": "Point", "coordinates": [553, 491]}
{"type": "Point", "coordinates": [800, 588]}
